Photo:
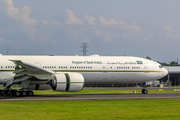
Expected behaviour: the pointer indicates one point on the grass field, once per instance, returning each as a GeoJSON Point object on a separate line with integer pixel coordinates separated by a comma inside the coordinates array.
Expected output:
{"type": "Point", "coordinates": [38, 92]}
{"type": "Point", "coordinates": [160, 109]}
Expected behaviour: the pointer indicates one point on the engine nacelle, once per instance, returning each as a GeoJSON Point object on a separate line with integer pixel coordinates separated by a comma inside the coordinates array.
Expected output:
{"type": "Point", "coordinates": [70, 82]}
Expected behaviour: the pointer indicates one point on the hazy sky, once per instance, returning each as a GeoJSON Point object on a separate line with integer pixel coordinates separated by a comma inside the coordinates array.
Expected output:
{"type": "Point", "coordinates": [110, 27]}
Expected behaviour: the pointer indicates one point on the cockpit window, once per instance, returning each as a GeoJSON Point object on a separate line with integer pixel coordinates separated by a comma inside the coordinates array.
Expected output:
{"type": "Point", "coordinates": [160, 66]}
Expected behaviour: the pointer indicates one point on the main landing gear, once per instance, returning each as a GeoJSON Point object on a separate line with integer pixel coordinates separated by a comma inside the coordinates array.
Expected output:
{"type": "Point", "coordinates": [21, 92]}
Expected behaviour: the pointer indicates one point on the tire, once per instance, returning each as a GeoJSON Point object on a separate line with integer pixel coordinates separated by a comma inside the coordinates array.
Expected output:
{"type": "Point", "coordinates": [144, 91]}
{"type": "Point", "coordinates": [7, 92]}
{"type": "Point", "coordinates": [23, 93]}
{"type": "Point", "coordinates": [17, 93]}
{"type": "Point", "coordinates": [2, 92]}
{"type": "Point", "coordinates": [30, 93]}
{"type": "Point", "coordinates": [14, 92]}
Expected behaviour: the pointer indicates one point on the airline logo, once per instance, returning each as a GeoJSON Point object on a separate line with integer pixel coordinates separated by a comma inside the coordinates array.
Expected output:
{"type": "Point", "coordinates": [139, 62]}
{"type": "Point", "coordinates": [86, 62]}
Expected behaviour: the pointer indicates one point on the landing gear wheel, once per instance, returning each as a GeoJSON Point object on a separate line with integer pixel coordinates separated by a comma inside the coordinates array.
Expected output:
{"type": "Point", "coordinates": [13, 92]}
{"type": "Point", "coordinates": [23, 93]}
{"type": "Point", "coordinates": [30, 93]}
{"type": "Point", "coordinates": [2, 92]}
{"type": "Point", "coordinates": [7, 92]}
{"type": "Point", "coordinates": [17, 93]}
{"type": "Point", "coordinates": [144, 91]}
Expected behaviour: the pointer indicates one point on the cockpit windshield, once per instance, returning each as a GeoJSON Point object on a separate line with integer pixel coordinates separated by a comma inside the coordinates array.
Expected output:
{"type": "Point", "coordinates": [160, 66]}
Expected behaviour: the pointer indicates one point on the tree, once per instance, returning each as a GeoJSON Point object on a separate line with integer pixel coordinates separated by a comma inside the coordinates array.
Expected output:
{"type": "Point", "coordinates": [163, 63]}
{"type": "Point", "coordinates": [173, 63]}
{"type": "Point", "coordinates": [148, 58]}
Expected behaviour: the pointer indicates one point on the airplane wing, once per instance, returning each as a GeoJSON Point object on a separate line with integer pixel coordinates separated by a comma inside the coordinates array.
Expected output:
{"type": "Point", "coordinates": [24, 71]}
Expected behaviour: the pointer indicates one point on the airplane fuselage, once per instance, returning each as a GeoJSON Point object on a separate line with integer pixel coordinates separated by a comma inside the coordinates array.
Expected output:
{"type": "Point", "coordinates": [95, 69]}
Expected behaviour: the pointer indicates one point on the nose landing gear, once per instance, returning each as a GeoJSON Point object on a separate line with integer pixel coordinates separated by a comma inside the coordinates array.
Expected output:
{"type": "Point", "coordinates": [144, 91]}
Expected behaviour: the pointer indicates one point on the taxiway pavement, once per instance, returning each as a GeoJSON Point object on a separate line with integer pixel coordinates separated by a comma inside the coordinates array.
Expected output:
{"type": "Point", "coordinates": [129, 88]}
{"type": "Point", "coordinates": [72, 97]}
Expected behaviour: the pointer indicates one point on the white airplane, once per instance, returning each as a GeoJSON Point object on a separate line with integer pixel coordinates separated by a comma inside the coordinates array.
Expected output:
{"type": "Point", "coordinates": [69, 73]}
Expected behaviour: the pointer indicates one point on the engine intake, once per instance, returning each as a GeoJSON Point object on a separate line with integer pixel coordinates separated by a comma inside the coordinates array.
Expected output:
{"type": "Point", "coordinates": [70, 82]}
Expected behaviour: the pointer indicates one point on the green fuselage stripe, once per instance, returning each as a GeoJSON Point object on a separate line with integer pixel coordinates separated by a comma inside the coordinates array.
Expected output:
{"type": "Point", "coordinates": [6, 70]}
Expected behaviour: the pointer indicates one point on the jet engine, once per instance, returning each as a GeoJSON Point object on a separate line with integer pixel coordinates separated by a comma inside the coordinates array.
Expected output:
{"type": "Point", "coordinates": [70, 82]}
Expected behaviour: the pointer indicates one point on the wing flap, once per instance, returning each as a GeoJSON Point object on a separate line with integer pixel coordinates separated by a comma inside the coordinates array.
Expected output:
{"type": "Point", "coordinates": [21, 79]}
{"type": "Point", "coordinates": [18, 70]}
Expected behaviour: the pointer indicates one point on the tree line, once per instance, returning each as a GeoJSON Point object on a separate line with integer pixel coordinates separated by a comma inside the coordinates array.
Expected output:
{"type": "Point", "coordinates": [173, 63]}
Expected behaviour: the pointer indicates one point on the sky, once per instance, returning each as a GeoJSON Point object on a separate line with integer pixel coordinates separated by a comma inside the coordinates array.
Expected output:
{"type": "Point", "coordinates": [109, 27]}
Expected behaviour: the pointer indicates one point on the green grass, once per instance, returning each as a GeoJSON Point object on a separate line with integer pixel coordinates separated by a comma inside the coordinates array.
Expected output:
{"type": "Point", "coordinates": [160, 109]}
{"type": "Point", "coordinates": [38, 92]}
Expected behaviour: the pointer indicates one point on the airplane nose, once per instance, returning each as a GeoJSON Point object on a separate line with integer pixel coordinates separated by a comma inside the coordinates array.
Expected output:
{"type": "Point", "coordinates": [165, 71]}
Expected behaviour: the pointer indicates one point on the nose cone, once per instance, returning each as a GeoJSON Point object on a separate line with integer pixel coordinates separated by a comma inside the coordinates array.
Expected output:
{"type": "Point", "coordinates": [165, 71]}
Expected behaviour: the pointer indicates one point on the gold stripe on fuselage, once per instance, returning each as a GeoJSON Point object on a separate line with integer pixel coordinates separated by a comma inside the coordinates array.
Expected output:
{"type": "Point", "coordinates": [93, 71]}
